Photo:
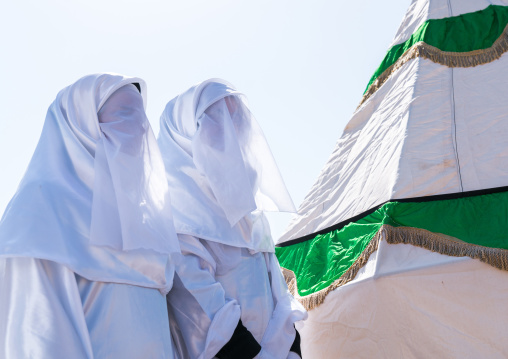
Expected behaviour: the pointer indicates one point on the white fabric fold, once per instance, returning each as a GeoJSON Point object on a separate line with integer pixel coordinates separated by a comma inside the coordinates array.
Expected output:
{"type": "Point", "coordinates": [220, 169]}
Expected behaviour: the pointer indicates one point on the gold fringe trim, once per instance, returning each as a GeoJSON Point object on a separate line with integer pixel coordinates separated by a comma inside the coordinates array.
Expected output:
{"type": "Point", "coordinates": [315, 299]}
{"type": "Point", "coordinates": [450, 246]}
{"type": "Point", "coordinates": [450, 59]}
{"type": "Point", "coordinates": [422, 238]}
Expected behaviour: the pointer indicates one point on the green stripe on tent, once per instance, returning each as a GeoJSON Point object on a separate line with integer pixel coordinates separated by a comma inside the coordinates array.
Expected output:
{"type": "Point", "coordinates": [463, 33]}
{"type": "Point", "coordinates": [317, 263]}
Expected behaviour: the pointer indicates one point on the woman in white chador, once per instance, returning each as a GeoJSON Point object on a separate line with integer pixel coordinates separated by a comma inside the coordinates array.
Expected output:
{"type": "Point", "coordinates": [229, 299]}
{"type": "Point", "coordinates": [87, 244]}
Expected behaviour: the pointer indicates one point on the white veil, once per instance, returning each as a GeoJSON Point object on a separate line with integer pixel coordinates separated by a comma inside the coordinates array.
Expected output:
{"type": "Point", "coordinates": [219, 167]}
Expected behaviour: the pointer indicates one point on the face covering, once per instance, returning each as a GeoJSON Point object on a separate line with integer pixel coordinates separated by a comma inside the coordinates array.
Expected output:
{"type": "Point", "coordinates": [219, 167]}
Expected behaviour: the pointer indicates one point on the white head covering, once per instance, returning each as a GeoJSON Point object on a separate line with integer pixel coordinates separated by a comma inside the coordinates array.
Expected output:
{"type": "Point", "coordinates": [94, 196]}
{"type": "Point", "coordinates": [220, 170]}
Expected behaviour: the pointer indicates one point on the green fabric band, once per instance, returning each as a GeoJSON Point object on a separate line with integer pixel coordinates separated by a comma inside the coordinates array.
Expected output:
{"type": "Point", "coordinates": [464, 33]}
{"type": "Point", "coordinates": [481, 220]}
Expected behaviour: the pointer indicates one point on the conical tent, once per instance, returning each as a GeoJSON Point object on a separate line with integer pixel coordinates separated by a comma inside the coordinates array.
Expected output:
{"type": "Point", "coordinates": [400, 249]}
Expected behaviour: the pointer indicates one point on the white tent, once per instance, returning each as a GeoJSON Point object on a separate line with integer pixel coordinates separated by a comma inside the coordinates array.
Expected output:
{"type": "Point", "coordinates": [400, 249]}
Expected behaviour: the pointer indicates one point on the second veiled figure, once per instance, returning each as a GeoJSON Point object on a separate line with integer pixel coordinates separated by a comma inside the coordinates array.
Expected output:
{"type": "Point", "coordinates": [229, 298]}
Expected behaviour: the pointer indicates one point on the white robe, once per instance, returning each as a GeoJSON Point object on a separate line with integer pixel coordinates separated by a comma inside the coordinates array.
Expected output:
{"type": "Point", "coordinates": [48, 311]}
{"type": "Point", "coordinates": [220, 284]}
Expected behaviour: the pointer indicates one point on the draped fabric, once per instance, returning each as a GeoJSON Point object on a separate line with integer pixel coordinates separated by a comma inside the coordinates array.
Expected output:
{"type": "Point", "coordinates": [214, 152]}
{"type": "Point", "coordinates": [94, 197]}
{"type": "Point", "coordinates": [222, 176]}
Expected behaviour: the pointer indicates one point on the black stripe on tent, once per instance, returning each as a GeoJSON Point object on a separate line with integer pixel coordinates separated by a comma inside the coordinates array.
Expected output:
{"type": "Point", "coordinates": [438, 197]}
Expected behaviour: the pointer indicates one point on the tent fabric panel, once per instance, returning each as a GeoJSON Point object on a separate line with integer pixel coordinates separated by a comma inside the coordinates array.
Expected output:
{"type": "Point", "coordinates": [408, 302]}
{"type": "Point", "coordinates": [428, 163]}
{"type": "Point", "coordinates": [481, 113]}
{"type": "Point", "coordinates": [404, 148]}
{"type": "Point", "coordinates": [458, 144]}
{"type": "Point", "coordinates": [363, 168]}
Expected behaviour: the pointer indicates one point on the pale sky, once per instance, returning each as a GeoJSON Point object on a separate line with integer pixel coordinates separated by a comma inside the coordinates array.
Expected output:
{"type": "Point", "coordinates": [303, 66]}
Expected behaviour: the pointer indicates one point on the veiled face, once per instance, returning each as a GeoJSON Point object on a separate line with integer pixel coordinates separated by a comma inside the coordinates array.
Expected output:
{"type": "Point", "coordinates": [214, 127]}
{"type": "Point", "coordinates": [217, 115]}
{"type": "Point", "coordinates": [123, 112]}
{"type": "Point", "coordinates": [126, 102]}
{"type": "Point", "coordinates": [131, 205]}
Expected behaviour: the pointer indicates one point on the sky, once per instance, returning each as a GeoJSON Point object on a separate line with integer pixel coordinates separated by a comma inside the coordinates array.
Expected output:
{"type": "Point", "coordinates": [303, 66]}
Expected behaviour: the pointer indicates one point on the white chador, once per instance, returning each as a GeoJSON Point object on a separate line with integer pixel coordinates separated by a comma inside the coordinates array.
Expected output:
{"type": "Point", "coordinates": [222, 176]}
{"type": "Point", "coordinates": [87, 244]}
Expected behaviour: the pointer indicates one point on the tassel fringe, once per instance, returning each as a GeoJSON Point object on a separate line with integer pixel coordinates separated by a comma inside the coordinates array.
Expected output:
{"type": "Point", "coordinates": [450, 246]}
{"type": "Point", "coordinates": [314, 300]}
{"type": "Point", "coordinates": [450, 59]}
{"type": "Point", "coordinates": [422, 238]}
